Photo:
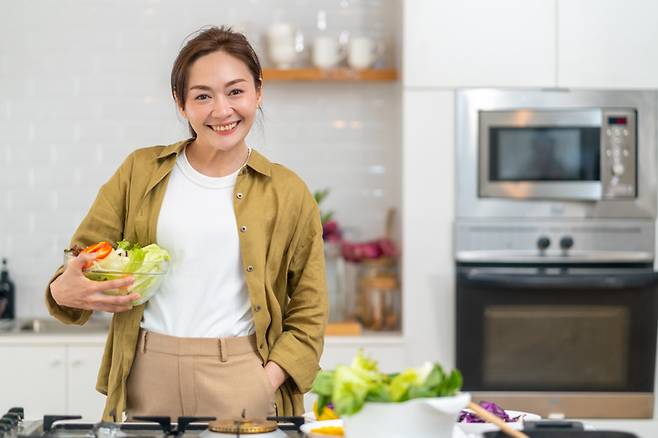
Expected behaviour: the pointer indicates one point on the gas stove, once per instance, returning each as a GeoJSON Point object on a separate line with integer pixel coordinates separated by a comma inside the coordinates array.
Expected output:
{"type": "Point", "coordinates": [13, 425]}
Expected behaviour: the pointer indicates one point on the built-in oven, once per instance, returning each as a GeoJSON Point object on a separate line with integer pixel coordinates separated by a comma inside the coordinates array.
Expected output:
{"type": "Point", "coordinates": [554, 249]}
{"type": "Point", "coordinates": [573, 341]}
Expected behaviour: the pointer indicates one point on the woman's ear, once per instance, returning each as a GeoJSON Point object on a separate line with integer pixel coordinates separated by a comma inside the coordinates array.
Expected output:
{"type": "Point", "coordinates": [259, 95]}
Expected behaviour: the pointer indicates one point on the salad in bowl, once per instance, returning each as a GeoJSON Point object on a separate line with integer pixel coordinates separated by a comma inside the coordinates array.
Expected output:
{"type": "Point", "coordinates": [148, 265]}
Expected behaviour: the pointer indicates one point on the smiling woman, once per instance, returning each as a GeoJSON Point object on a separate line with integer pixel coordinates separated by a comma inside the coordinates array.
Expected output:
{"type": "Point", "coordinates": [238, 323]}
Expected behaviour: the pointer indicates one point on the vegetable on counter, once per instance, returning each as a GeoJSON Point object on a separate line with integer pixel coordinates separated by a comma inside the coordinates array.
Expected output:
{"type": "Point", "coordinates": [349, 387]}
{"type": "Point", "coordinates": [470, 417]}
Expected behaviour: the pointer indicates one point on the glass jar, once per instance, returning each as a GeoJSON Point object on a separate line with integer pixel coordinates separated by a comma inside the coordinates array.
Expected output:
{"type": "Point", "coordinates": [379, 304]}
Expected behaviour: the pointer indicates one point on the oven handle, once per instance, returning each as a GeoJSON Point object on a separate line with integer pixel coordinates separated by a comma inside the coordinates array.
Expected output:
{"type": "Point", "coordinates": [566, 281]}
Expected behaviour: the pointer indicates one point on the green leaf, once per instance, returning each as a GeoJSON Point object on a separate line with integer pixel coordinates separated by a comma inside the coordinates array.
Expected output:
{"type": "Point", "coordinates": [323, 383]}
{"type": "Point", "coordinates": [320, 195]}
{"type": "Point", "coordinates": [323, 401]}
{"type": "Point", "coordinates": [326, 217]}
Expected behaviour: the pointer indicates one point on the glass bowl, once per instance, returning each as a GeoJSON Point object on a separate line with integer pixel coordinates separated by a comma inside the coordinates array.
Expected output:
{"type": "Point", "coordinates": [146, 284]}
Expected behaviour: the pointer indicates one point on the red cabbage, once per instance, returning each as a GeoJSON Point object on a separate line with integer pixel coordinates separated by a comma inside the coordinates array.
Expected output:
{"type": "Point", "coordinates": [470, 417]}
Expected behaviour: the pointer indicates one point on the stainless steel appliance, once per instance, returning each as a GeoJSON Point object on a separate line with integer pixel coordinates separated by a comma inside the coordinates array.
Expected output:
{"type": "Point", "coordinates": [12, 425]}
{"type": "Point", "coordinates": [555, 249]}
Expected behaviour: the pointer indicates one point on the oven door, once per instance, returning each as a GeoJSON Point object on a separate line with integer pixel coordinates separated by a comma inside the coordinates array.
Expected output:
{"type": "Point", "coordinates": [557, 330]}
{"type": "Point", "coordinates": [548, 154]}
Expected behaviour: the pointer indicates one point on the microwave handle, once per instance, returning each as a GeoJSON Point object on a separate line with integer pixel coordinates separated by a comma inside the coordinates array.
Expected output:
{"type": "Point", "coordinates": [567, 281]}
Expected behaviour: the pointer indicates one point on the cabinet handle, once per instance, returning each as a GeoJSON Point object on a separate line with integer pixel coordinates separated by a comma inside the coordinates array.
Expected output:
{"type": "Point", "coordinates": [76, 363]}
{"type": "Point", "coordinates": [55, 363]}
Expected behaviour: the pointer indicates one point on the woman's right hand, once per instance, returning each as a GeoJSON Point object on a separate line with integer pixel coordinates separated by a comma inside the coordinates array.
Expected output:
{"type": "Point", "coordinates": [73, 289]}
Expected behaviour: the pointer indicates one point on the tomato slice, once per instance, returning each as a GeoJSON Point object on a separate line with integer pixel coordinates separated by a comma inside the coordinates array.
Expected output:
{"type": "Point", "coordinates": [101, 249]}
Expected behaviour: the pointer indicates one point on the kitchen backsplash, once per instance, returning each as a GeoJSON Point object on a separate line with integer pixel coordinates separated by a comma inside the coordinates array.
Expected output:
{"type": "Point", "coordinates": [83, 83]}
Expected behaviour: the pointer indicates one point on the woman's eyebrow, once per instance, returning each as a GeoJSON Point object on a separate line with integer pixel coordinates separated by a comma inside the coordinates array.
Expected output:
{"type": "Point", "coordinates": [234, 81]}
{"type": "Point", "coordinates": [200, 87]}
{"type": "Point", "coordinates": [207, 88]}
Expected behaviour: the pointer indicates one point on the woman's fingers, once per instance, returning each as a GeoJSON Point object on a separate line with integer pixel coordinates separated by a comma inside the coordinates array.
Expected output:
{"type": "Point", "coordinates": [99, 286]}
{"type": "Point", "coordinates": [111, 303]}
{"type": "Point", "coordinates": [81, 260]}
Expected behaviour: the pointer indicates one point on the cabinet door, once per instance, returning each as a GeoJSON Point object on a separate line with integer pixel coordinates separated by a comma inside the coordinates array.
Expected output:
{"type": "Point", "coordinates": [83, 399]}
{"type": "Point", "coordinates": [479, 43]}
{"type": "Point", "coordinates": [33, 377]}
{"type": "Point", "coordinates": [607, 44]}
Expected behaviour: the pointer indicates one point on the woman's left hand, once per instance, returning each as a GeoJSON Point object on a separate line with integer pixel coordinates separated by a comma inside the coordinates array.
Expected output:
{"type": "Point", "coordinates": [275, 374]}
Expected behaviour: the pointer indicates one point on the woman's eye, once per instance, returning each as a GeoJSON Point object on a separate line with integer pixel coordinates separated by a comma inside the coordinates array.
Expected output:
{"type": "Point", "coordinates": [235, 92]}
{"type": "Point", "coordinates": [202, 97]}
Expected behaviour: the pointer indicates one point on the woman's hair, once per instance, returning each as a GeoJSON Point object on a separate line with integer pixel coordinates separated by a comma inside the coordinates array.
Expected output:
{"type": "Point", "coordinates": [206, 41]}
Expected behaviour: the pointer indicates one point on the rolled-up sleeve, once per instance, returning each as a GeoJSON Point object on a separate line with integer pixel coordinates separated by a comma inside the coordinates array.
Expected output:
{"type": "Point", "coordinates": [300, 345]}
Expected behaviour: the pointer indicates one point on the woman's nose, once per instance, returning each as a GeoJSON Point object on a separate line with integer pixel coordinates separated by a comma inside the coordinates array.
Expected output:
{"type": "Point", "coordinates": [222, 107]}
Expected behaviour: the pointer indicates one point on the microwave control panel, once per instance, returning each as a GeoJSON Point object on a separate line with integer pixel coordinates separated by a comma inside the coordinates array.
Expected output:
{"type": "Point", "coordinates": [618, 153]}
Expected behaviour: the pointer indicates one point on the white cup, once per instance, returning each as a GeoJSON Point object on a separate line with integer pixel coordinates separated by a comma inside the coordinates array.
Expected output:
{"type": "Point", "coordinates": [363, 52]}
{"type": "Point", "coordinates": [281, 44]}
{"type": "Point", "coordinates": [327, 52]}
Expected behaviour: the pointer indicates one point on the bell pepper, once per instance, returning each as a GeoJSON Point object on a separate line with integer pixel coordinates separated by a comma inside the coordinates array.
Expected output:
{"type": "Point", "coordinates": [101, 249]}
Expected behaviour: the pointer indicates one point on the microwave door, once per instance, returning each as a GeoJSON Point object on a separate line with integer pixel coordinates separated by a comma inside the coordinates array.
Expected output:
{"type": "Point", "coordinates": [551, 154]}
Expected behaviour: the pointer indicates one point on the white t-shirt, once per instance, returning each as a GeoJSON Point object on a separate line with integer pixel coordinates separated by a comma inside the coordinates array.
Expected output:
{"type": "Point", "coordinates": [204, 294]}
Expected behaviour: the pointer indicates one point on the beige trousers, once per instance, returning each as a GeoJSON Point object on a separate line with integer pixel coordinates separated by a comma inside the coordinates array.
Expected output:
{"type": "Point", "coordinates": [198, 377]}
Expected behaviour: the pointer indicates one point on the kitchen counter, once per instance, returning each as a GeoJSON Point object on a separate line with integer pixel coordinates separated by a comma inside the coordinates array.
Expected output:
{"type": "Point", "coordinates": [51, 331]}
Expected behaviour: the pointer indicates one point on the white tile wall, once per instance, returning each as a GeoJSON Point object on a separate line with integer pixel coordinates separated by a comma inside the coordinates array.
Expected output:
{"type": "Point", "coordinates": [84, 82]}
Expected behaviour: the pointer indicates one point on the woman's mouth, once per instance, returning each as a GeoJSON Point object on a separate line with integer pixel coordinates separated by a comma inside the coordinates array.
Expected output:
{"type": "Point", "coordinates": [225, 129]}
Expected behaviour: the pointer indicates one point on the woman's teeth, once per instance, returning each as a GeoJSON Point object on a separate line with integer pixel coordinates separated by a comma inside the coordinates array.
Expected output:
{"type": "Point", "coordinates": [222, 128]}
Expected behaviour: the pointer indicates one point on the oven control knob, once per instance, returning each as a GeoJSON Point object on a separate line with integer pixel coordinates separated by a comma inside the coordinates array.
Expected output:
{"type": "Point", "coordinates": [543, 243]}
{"type": "Point", "coordinates": [618, 169]}
{"type": "Point", "coordinates": [566, 242]}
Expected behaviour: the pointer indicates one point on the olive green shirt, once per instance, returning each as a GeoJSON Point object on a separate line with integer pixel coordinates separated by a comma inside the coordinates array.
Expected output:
{"type": "Point", "coordinates": [282, 257]}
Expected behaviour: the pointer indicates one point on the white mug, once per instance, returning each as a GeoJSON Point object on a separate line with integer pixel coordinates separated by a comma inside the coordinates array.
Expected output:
{"type": "Point", "coordinates": [363, 52]}
{"type": "Point", "coordinates": [281, 44]}
{"type": "Point", "coordinates": [327, 52]}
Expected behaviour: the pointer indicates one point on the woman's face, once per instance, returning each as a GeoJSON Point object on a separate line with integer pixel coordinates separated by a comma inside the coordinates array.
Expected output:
{"type": "Point", "coordinates": [221, 101]}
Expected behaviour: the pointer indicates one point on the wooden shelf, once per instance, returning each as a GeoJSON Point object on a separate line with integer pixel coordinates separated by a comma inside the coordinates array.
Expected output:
{"type": "Point", "coordinates": [336, 74]}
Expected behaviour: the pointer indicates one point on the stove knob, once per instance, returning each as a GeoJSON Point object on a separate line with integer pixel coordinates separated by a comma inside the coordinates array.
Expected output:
{"type": "Point", "coordinates": [618, 169]}
{"type": "Point", "coordinates": [566, 242]}
{"type": "Point", "coordinates": [543, 242]}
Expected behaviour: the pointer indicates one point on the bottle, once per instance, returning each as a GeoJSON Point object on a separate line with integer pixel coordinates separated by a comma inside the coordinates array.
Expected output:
{"type": "Point", "coordinates": [7, 297]}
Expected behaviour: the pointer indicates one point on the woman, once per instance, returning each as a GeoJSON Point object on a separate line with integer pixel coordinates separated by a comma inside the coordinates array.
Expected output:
{"type": "Point", "coordinates": [239, 321]}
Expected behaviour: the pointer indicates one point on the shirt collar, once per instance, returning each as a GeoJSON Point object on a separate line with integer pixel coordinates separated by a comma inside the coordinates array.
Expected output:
{"type": "Point", "coordinates": [256, 161]}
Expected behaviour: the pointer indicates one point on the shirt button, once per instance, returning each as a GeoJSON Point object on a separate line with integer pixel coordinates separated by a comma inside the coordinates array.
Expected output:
{"type": "Point", "coordinates": [239, 195]}
{"type": "Point", "coordinates": [261, 346]}
{"type": "Point", "coordinates": [243, 228]}
{"type": "Point", "coordinates": [257, 308]}
{"type": "Point", "coordinates": [250, 268]}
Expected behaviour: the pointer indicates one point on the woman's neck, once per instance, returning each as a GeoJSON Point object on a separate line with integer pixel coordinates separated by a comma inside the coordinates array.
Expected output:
{"type": "Point", "coordinates": [216, 163]}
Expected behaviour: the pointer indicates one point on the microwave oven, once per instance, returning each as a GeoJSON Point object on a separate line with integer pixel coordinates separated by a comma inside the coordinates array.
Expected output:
{"type": "Point", "coordinates": [535, 153]}
{"type": "Point", "coordinates": [556, 152]}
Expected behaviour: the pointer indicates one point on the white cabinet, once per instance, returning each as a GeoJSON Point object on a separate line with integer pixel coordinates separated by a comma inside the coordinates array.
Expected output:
{"type": "Point", "coordinates": [608, 44]}
{"type": "Point", "coordinates": [475, 43]}
{"type": "Point", "coordinates": [34, 377]}
{"type": "Point", "coordinates": [82, 367]}
{"type": "Point", "coordinates": [53, 379]}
